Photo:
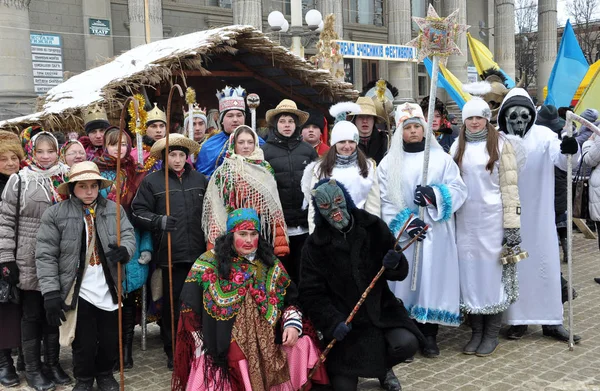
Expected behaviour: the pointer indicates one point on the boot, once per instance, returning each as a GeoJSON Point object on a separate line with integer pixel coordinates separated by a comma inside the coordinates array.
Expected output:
{"type": "Point", "coordinates": [8, 374]}
{"type": "Point", "coordinates": [476, 334]}
{"type": "Point", "coordinates": [559, 332]}
{"type": "Point", "coordinates": [564, 290]}
{"type": "Point", "coordinates": [52, 367]}
{"type": "Point", "coordinates": [20, 361]}
{"type": "Point", "coordinates": [516, 332]}
{"type": "Point", "coordinates": [129, 313]}
{"type": "Point", "coordinates": [491, 329]}
{"type": "Point", "coordinates": [107, 382]}
{"type": "Point", "coordinates": [563, 246]}
{"type": "Point", "coordinates": [430, 349]}
{"type": "Point", "coordinates": [390, 382]}
{"type": "Point", "coordinates": [84, 385]}
{"type": "Point", "coordinates": [33, 367]}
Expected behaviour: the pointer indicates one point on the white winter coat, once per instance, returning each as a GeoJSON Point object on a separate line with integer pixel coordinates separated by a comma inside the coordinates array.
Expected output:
{"type": "Point", "coordinates": [591, 150]}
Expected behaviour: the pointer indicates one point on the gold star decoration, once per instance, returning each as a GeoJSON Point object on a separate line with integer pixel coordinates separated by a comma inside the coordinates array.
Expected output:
{"type": "Point", "coordinates": [438, 35]}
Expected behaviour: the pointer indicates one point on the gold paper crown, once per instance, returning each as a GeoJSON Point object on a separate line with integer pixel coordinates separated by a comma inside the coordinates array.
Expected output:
{"type": "Point", "coordinates": [156, 114]}
{"type": "Point", "coordinates": [196, 111]}
{"type": "Point", "coordinates": [94, 113]}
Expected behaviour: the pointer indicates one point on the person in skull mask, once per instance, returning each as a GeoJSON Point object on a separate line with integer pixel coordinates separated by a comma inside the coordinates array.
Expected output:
{"type": "Point", "coordinates": [539, 293]}
{"type": "Point", "coordinates": [339, 260]}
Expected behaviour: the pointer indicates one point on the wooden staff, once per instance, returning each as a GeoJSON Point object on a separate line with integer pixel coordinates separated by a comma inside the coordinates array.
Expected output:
{"type": "Point", "coordinates": [168, 211]}
{"type": "Point", "coordinates": [363, 297]}
{"type": "Point", "coordinates": [118, 201]}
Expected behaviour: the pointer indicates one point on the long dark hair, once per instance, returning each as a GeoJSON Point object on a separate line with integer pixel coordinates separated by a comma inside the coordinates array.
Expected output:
{"type": "Point", "coordinates": [225, 252]}
{"type": "Point", "coordinates": [328, 163]}
{"type": "Point", "coordinates": [491, 145]}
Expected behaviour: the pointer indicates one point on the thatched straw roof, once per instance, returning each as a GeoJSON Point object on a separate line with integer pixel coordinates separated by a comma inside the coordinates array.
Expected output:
{"type": "Point", "coordinates": [199, 54]}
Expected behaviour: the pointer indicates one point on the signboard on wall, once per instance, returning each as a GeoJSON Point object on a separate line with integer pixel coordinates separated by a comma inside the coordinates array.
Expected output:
{"type": "Point", "coordinates": [99, 27]}
{"type": "Point", "coordinates": [377, 51]}
{"type": "Point", "coordinates": [47, 61]}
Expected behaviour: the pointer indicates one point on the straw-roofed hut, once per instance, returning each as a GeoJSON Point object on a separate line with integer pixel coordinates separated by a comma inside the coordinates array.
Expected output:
{"type": "Point", "coordinates": [206, 60]}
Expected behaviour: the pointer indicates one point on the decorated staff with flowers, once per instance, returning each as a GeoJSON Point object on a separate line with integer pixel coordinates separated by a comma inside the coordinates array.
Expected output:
{"type": "Point", "coordinates": [239, 327]}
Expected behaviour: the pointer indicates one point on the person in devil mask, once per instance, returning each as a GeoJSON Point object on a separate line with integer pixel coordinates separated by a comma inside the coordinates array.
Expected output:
{"type": "Point", "coordinates": [339, 260]}
{"type": "Point", "coordinates": [539, 292]}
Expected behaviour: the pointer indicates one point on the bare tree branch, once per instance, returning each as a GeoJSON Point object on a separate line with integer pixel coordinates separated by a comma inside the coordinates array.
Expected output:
{"type": "Point", "coordinates": [586, 29]}
{"type": "Point", "coordinates": [526, 18]}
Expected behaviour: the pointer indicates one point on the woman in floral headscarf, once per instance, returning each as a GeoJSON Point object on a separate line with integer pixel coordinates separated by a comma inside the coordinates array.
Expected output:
{"type": "Point", "coordinates": [239, 328]}
{"type": "Point", "coordinates": [26, 197]}
{"type": "Point", "coordinates": [245, 180]}
{"type": "Point", "coordinates": [72, 152]}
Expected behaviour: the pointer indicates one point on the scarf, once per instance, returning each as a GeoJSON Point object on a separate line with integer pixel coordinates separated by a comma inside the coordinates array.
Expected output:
{"type": "Point", "coordinates": [108, 164]}
{"type": "Point", "coordinates": [475, 137]}
{"type": "Point", "coordinates": [344, 161]}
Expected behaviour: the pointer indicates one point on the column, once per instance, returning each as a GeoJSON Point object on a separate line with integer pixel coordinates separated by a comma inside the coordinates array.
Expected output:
{"type": "Point", "coordinates": [327, 7]}
{"type": "Point", "coordinates": [546, 44]}
{"type": "Point", "coordinates": [247, 12]}
{"type": "Point", "coordinates": [399, 33]}
{"type": "Point", "coordinates": [97, 48]}
{"type": "Point", "coordinates": [504, 36]}
{"type": "Point", "coordinates": [16, 72]}
{"type": "Point", "coordinates": [458, 64]}
{"type": "Point", "coordinates": [137, 25]}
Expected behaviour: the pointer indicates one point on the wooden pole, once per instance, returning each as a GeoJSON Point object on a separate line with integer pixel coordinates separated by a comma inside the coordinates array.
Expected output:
{"type": "Point", "coordinates": [168, 210]}
{"type": "Point", "coordinates": [147, 20]}
{"type": "Point", "coordinates": [118, 184]}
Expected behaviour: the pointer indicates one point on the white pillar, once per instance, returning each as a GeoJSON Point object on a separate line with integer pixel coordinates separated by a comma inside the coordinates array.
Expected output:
{"type": "Point", "coordinates": [296, 27]}
{"type": "Point", "coordinates": [16, 72]}
{"type": "Point", "coordinates": [248, 12]}
{"type": "Point", "coordinates": [458, 64]}
{"type": "Point", "coordinates": [399, 33]}
{"type": "Point", "coordinates": [546, 44]}
{"type": "Point", "coordinates": [97, 48]}
{"type": "Point", "coordinates": [137, 25]}
{"type": "Point", "coordinates": [504, 36]}
{"type": "Point", "coordinates": [327, 7]}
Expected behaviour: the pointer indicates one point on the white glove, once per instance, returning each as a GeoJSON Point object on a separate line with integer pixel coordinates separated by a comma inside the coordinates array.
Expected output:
{"type": "Point", "coordinates": [145, 258]}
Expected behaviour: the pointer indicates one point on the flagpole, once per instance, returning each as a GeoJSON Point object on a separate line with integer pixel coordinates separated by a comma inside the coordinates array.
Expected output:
{"type": "Point", "coordinates": [428, 134]}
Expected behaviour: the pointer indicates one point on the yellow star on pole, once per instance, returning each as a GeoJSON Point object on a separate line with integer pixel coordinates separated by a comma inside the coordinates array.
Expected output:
{"type": "Point", "coordinates": [438, 35]}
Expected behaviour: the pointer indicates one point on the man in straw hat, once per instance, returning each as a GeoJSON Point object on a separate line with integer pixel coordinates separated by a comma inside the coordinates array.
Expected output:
{"type": "Point", "coordinates": [77, 258]}
{"type": "Point", "coordinates": [289, 156]}
{"type": "Point", "coordinates": [186, 196]}
{"type": "Point", "coordinates": [372, 142]}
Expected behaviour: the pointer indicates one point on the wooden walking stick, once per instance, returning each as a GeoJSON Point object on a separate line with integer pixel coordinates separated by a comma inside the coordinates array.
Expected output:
{"type": "Point", "coordinates": [168, 211]}
{"type": "Point", "coordinates": [363, 297]}
{"type": "Point", "coordinates": [118, 184]}
{"type": "Point", "coordinates": [437, 39]}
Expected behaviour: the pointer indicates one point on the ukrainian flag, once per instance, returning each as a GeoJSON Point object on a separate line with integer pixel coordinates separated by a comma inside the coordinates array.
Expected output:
{"type": "Point", "coordinates": [484, 59]}
{"type": "Point", "coordinates": [449, 83]}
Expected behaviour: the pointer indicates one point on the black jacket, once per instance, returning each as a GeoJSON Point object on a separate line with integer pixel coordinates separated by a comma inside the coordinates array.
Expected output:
{"type": "Point", "coordinates": [186, 196]}
{"type": "Point", "coordinates": [335, 271]}
{"type": "Point", "coordinates": [289, 156]}
{"type": "Point", "coordinates": [377, 147]}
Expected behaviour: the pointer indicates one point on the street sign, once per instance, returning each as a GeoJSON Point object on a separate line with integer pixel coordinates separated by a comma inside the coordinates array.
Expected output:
{"type": "Point", "coordinates": [47, 61]}
{"type": "Point", "coordinates": [99, 27]}
{"type": "Point", "coordinates": [377, 51]}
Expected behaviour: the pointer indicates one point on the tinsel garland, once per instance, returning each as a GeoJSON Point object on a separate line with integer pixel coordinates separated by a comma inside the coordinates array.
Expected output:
{"type": "Point", "coordinates": [143, 116]}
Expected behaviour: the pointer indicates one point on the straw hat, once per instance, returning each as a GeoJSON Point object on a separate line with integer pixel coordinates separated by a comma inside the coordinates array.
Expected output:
{"type": "Point", "coordinates": [175, 140]}
{"type": "Point", "coordinates": [287, 106]}
{"type": "Point", "coordinates": [84, 171]}
{"type": "Point", "coordinates": [367, 108]}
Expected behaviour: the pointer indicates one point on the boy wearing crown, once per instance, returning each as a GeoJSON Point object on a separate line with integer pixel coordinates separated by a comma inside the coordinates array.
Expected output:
{"type": "Point", "coordinates": [156, 129]}
{"type": "Point", "coordinates": [96, 123]}
{"type": "Point", "coordinates": [198, 119]}
{"type": "Point", "coordinates": [232, 113]}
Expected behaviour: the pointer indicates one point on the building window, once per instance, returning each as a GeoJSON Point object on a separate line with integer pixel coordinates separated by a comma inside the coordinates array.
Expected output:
{"type": "Point", "coordinates": [370, 71]}
{"type": "Point", "coordinates": [366, 12]}
{"type": "Point", "coordinates": [306, 6]}
{"type": "Point", "coordinates": [220, 3]}
{"type": "Point", "coordinates": [423, 81]}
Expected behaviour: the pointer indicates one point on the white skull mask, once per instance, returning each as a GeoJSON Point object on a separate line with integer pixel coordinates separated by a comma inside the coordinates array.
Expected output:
{"type": "Point", "coordinates": [517, 120]}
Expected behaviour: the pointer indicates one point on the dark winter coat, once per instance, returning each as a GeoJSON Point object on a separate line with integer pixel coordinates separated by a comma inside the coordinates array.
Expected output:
{"type": "Point", "coordinates": [377, 146]}
{"type": "Point", "coordinates": [186, 196]}
{"type": "Point", "coordinates": [446, 139]}
{"type": "Point", "coordinates": [336, 270]}
{"type": "Point", "coordinates": [289, 156]}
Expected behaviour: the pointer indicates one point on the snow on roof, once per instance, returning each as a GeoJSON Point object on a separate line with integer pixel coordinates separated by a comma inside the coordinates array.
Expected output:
{"type": "Point", "coordinates": [151, 64]}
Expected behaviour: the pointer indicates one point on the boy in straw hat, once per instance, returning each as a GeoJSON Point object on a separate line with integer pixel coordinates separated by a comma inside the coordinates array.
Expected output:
{"type": "Point", "coordinates": [77, 258]}
{"type": "Point", "coordinates": [289, 156]}
{"type": "Point", "coordinates": [186, 196]}
{"type": "Point", "coordinates": [437, 297]}
{"type": "Point", "coordinates": [372, 142]}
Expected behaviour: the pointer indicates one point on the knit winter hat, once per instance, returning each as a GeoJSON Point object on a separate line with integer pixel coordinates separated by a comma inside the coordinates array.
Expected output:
{"type": "Point", "coordinates": [590, 114]}
{"type": "Point", "coordinates": [409, 113]}
{"type": "Point", "coordinates": [10, 142]}
{"type": "Point", "coordinates": [476, 107]}
{"type": "Point", "coordinates": [315, 118]}
{"type": "Point", "coordinates": [344, 131]}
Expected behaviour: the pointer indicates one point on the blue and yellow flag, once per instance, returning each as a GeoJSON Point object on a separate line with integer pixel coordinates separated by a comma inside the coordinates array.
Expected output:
{"type": "Point", "coordinates": [484, 59]}
{"type": "Point", "coordinates": [449, 83]}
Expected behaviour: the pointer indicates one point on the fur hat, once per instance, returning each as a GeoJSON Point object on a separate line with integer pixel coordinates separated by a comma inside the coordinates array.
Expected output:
{"type": "Point", "coordinates": [10, 142]}
{"type": "Point", "coordinates": [476, 107]}
{"type": "Point", "coordinates": [344, 131]}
